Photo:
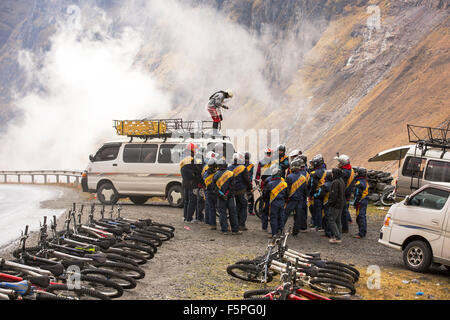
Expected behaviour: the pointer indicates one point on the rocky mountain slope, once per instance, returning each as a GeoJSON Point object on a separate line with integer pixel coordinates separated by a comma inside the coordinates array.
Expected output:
{"type": "Point", "coordinates": [333, 75]}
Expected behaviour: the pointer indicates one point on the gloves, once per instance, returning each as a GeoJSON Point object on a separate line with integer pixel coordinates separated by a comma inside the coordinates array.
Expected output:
{"type": "Point", "coordinates": [225, 107]}
{"type": "Point", "coordinates": [221, 118]}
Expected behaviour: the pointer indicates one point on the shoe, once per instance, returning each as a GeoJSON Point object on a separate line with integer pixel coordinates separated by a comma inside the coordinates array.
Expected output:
{"type": "Point", "coordinates": [344, 231]}
{"type": "Point", "coordinates": [243, 228]}
{"type": "Point", "coordinates": [357, 236]}
{"type": "Point", "coordinates": [226, 233]}
{"type": "Point", "coordinates": [213, 228]}
{"type": "Point", "coordinates": [264, 230]}
{"type": "Point", "coordinates": [271, 236]}
{"type": "Point", "coordinates": [252, 214]}
{"type": "Point", "coordinates": [235, 233]}
{"type": "Point", "coordinates": [333, 240]}
{"type": "Point", "coordinates": [303, 230]}
{"type": "Point", "coordinates": [319, 229]}
{"type": "Point", "coordinates": [193, 221]}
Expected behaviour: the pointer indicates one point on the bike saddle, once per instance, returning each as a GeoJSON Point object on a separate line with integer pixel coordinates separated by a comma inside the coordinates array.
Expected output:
{"type": "Point", "coordinates": [97, 257]}
{"type": "Point", "coordinates": [56, 269]}
{"type": "Point", "coordinates": [40, 281]}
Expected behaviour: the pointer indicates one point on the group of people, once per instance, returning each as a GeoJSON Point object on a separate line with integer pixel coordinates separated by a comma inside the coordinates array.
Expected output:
{"type": "Point", "coordinates": [288, 187]}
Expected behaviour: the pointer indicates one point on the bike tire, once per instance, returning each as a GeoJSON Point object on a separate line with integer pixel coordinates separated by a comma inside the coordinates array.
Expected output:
{"type": "Point", "coordinates": [146, 252]}
{"type": "Point", "coordinates": [331, 286]}
{"type": "Point", "coordinates": [139, 258]}
{"type": "Point", "coordinates": [257, 294]}
{"type": "Point", "coordinates": [124, 269]}
{"type": "Point", "coordinates": [117, 290]}
{"type": "Point", "coordinates": [259, 207]}
{"type": "Point", "coordinates": [344, 267]}
{"type": "Point", "coordinates": [250, 273]}
{"type": "Point", "coordinates": [152, 241]}
{"type": "Point", "coordinates": [163, 234]}
{"type": "Point", "coordinates": [119, 258]}
{"type": "Point", "coordinates": [335, 274]}
{"type": "Point", "coordinates": [58, 289]}
{"type": "Point", "coordinates": [164, 226]}
{"type": "Point", "coordinates": [124, 281]}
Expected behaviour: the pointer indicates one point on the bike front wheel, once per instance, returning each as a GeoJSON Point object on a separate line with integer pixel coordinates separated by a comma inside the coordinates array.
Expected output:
{"type": "Point", "coordinates": [248, 272]}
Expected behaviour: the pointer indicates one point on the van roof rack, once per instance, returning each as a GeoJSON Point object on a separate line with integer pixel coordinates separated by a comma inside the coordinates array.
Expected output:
{"type": "Point", "coordinates": [165, 128]}
{"type": "Point", "coordinates": [425, 137]}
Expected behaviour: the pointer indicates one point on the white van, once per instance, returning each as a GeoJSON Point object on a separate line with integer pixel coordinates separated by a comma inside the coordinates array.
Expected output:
{"type": "Point", "coordinates": [426, 161]}
{"type": "Point", "coordinates": [142, 169]}
{"type": "Point", "coordinates": [420, 227]}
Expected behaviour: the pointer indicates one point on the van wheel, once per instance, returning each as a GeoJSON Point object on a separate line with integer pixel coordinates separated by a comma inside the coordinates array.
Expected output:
{"type": "Point", "coordinates": [138, 199]}
{"type": "Point", "coordinates": [417, 256]}
{"type": "Point", "coordinates": [175, 196]}
{"type": "Point", "coordinates": [107, 194]}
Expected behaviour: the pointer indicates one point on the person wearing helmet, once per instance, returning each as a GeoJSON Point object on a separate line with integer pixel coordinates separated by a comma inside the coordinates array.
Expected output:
{"type": "Point", "coordinates": [317, 179]}
{"type": "Point", "coordinates": [241, 187]}
{"type": "Point", "coordinates": [348, 174]}
{"type": "Point", "coordinates": [292, 155]}
{"type": "Point", "coordinates": [250, 169]}
{"type": "Point", "coordinates": [303, 218]}
{"type": "Point", "coordinates": [215, 104]}
{"type": "Point", "coordinates": [264, 166]}
{"type": "Point", "coordinates": [323, 194]}
{"type": "Point", "coordinates": [200, 159]}
{"type": "Point", "coordinates": [190, 174]}
{"type": "Point", "coordinates": [361, 201]}
{"type": "Point", "coordinates": [276, 192]}
{"type": "Point", "coordinates": [211, 198]}
{"type": "Point", "coordinates": [297, 193]}
{"type": "Point", "coordinates": [223, 182]}
{"type": "Point", "coordinates": [336, 202]}
{"type": "Point", "coordinates": [282, 160]}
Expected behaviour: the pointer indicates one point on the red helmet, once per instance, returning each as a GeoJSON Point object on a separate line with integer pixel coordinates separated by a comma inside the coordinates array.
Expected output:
{"type": "Point", "coordinates": [268, 150]}
{"type": "Point", "coordinates": [191, 146]}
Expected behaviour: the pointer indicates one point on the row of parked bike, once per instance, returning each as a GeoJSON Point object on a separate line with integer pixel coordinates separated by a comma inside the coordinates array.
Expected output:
{"type": "Point", "coordinates": [97, 259]}
{"type": "Point", "coordinates": [296, 270]}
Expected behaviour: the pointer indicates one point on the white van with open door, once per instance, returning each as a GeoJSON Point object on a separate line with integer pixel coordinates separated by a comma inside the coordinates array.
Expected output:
{"type": "Point", "coordinates": [426, 161]}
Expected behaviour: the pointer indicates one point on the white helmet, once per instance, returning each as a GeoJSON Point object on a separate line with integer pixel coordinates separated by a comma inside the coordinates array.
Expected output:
{"type": "Point", "coordinates": [229, 93]}
{"type": "Point", "coordinates": [294, 153]}
{"type": "Point", "coordinates": [212, 155]}
{"type": "Point", "coordinates": [343, 160]}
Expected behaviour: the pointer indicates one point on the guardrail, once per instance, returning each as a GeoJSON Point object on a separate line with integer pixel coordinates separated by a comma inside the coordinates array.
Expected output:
{"type": "Point", "coordinates": [44, 173]}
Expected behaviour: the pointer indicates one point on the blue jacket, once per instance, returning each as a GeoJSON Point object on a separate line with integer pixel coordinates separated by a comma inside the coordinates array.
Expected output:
{"type": "Point", "coordinates": [241, 179]}
{"type": "Point", "coordinates": [361, 190]}
{"type": "Point", "coordinates": [317, 179]}
{"type": "Point", "coordinates": [276, 191]}
{"type": "Point", "coordinates": [251, 169]}
{"type": "Point", "coordinates": [223, 182]}
{"type": "Point", "coordinates": [348, 175]}
{"type": "Point", "coordinates": [297, 189]}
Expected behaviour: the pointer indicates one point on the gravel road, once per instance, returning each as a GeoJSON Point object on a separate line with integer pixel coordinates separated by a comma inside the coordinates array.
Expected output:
{"type": "Point", "coordinates": [192, 265]}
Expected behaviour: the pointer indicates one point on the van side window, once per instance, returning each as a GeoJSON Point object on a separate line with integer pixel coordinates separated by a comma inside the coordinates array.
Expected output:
{"type": "Point", "coordinates": [438, 171]}
{"type": "Point", "coordinates": [148, 153]}
{"type": "Point", "coordinates": [171, 153]}
{"type": "Point", "coordinates": [430, 198]}
{"type": "Point", "coordinates": [107, 153]}
{"type": "Point", "coordinates": [413, 167]}
{"type": "Point", "coordinates": [132, 153]}
{"type": "Point", "coordinates": [140, 153]}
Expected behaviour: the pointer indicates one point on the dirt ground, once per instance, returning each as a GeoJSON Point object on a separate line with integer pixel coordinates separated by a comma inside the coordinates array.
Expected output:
{"type": "Point", "coordinates": [192, 265]}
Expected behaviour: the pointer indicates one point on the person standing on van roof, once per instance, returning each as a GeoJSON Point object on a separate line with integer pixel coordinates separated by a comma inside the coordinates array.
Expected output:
{"type": "Point", "coordinates": [361, 202]}
{"type": "Point", "coordinates": [223, 183]}
{"type": "Point", "coordinates": [336, 201]}
{"type": "Point", "coordinates": [242, 186]}
{"type": "Point", "coordinates": [190, 174]}
{"type": "Point", "coordinates": [250, 197]}
{"type": "Point", "coordinates": [348, 175]}
{"type": "Point", "coordinates": [215, 104]}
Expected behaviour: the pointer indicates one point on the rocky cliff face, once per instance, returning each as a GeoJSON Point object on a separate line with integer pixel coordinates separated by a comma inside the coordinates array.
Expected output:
{"type": "Point", "coordinates": [334, 76]}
